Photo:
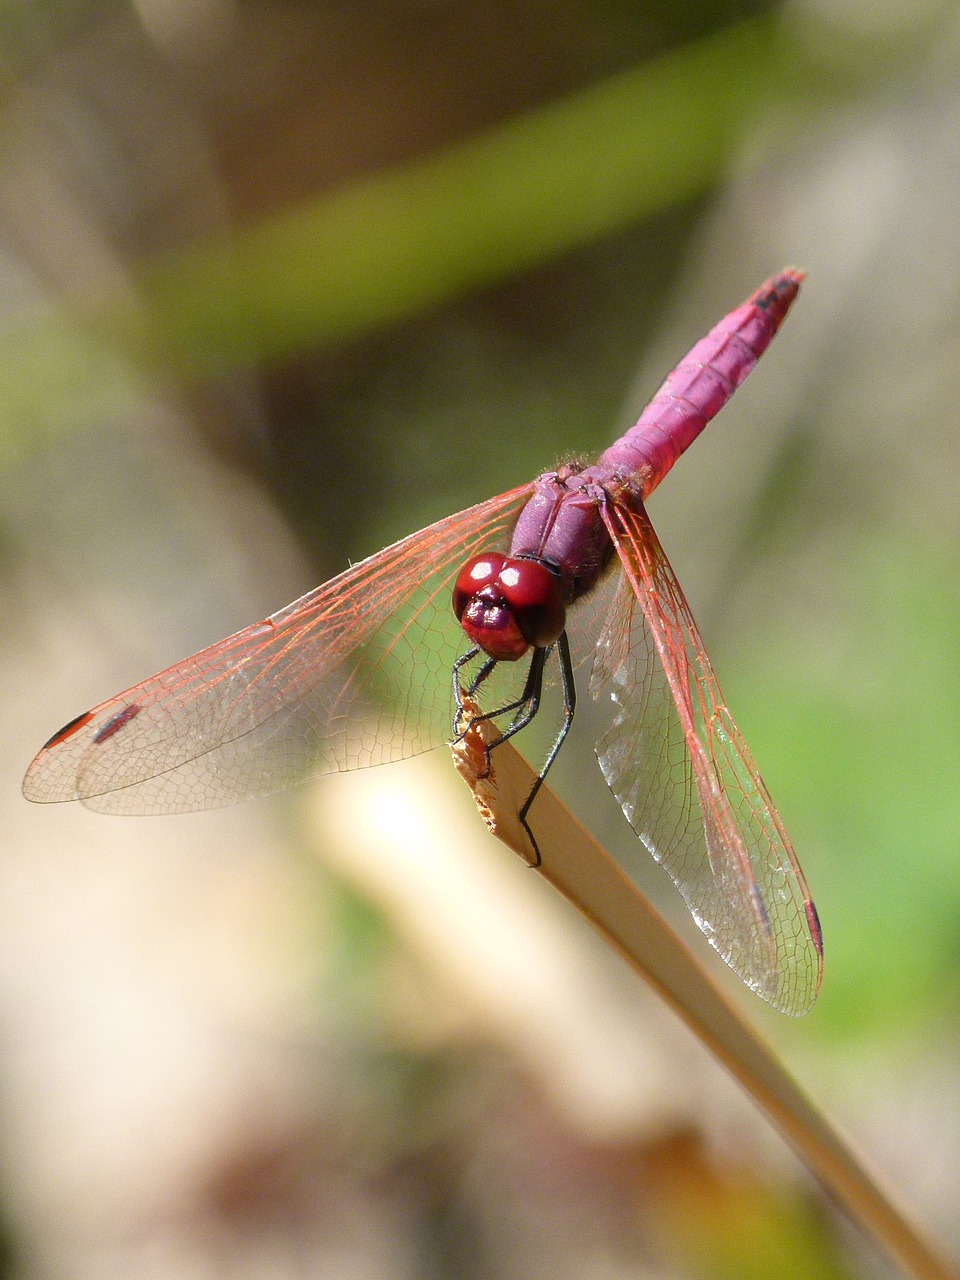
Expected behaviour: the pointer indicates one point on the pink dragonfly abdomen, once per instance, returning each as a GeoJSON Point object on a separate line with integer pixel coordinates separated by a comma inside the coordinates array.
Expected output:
{"type": "Point", "coordinates": [701, 384]}
{"type": "Point", "coordinates": [562, 524]}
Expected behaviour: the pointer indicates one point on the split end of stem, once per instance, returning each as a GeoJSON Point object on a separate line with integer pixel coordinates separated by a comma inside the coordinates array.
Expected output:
{"type": "Point", "coordinates": [499, 783]}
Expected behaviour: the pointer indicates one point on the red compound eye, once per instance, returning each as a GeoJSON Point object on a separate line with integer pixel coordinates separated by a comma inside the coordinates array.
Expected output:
{"type": "Point", "coordinates": [476, 574]}
{"type": "Point", "coordinates": [505, 606]}
{"type": "Point", "coordinates": [533, 594]}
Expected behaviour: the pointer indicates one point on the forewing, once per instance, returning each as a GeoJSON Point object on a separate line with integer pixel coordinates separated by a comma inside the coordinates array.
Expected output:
{"type": "Point", "coordinates": [687, 784]}
{"type": "Point", "coordinates": [357, 672]}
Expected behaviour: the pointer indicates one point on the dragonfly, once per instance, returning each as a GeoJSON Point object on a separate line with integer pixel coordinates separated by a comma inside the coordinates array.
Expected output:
{"type": "Point", "coordinates": [560, 574]}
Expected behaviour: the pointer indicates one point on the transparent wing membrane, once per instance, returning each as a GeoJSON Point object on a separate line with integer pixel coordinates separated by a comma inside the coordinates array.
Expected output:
{"type": "Point", "coordinates": [355, 673]}
{"type": "Point", "coordinates": [687, 784]}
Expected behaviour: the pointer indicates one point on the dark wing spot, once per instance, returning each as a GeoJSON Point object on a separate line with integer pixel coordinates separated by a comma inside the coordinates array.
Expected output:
{"type": "Point", "coordinates": [814, 922]}
{"type": "Point", "coordinates": [68, 730]}
{"type": "Point", "coordinates": [116, 723]}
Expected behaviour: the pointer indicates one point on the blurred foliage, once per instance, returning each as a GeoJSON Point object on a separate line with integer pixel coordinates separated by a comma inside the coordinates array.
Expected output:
{"type": "Point", "coordinates": [880, 756]}
{"type": "Point", "coordinates": [561, 175]}
{"type": "Point", "coordinates": [393, 244]}
{"type": "Point", "coordinates": [724, 1223]}
{"type": "Point", "coordinates": [555, 177]}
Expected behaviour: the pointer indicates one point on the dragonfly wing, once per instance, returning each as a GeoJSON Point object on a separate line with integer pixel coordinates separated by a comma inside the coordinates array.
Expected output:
{"type": "Point", "coordinates": [683, 776]}
{"type": "Point", "coordinates": [357, 672]}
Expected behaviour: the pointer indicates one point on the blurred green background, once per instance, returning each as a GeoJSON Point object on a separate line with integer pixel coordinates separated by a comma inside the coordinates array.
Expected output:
{"type": "Point", "coordinates": [281, 282]}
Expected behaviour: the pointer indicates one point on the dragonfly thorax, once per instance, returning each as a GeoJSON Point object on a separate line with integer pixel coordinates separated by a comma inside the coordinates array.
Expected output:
{"type": "Point", "coordinates": [506, 604]}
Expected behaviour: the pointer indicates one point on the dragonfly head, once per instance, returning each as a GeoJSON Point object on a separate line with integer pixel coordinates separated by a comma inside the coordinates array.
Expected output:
{"type": "Point", "coordinates": [506, 605]}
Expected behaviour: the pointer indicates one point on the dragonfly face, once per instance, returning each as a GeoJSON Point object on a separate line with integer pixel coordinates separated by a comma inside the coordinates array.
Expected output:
{"type": "Point", "coordinates": [506, 605]}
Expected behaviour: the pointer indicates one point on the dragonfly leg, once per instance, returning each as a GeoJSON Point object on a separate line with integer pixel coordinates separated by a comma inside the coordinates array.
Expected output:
{"type": "Point", "coordinates": [481, 675]}
{"type": "Point", "coordinates": [478, 679]}
{"type": "Point", "coordinates": [460, 693]}
{"type": "Point", "coordinates": [460, 663]}
{"type": "Point", "coordinates": [569, 707]}
{"type": "Point", "coordinates": [525, 706]}
{"type": "Point", "coordinates": [531, 689]}
{"type": "Point", "coordinates": [462, 720]}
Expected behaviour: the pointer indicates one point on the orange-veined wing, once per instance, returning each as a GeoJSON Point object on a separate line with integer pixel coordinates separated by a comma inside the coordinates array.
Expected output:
{"type": "Point", "coordinates": [357, 672]}
{"type": "Point", "coordinates": [687, 784]}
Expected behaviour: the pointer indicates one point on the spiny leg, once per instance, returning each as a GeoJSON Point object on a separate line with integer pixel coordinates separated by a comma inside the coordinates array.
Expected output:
{"type": "Point", "coordinates": [459, 693]}
{"type": "Point", "coordinates": [525, 706]}
{"type": "Point", "coordinates": [458, 665]}
{"type": "Point", "coordinates": [531, 693]}
{"type": "Point", "coordinates": [477, 680]}
{"type": "Point", "coordinates": [569, 707]}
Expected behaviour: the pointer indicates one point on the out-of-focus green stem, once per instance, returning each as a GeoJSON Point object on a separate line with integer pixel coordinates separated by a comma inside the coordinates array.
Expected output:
{"type": "Point", "coordinates": [406, 239]}
{"type": "Point", "coordinates": [510, 198]}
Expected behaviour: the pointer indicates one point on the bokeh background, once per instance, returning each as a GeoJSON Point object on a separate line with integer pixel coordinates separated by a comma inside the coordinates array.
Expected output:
{"type": "Point", "coordinates": [281, 282]}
